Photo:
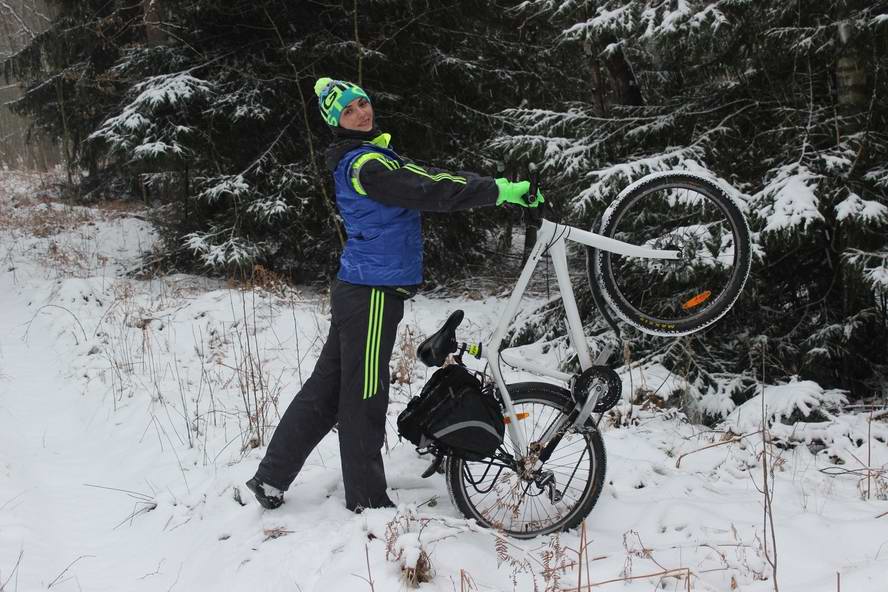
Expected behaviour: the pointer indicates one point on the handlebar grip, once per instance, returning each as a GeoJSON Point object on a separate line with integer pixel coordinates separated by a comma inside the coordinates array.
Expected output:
{"type": "Point", "coordinates": [533, 175]}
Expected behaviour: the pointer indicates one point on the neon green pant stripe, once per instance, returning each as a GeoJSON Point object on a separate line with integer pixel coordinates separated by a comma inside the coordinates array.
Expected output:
{"type": "Point", "coordinates": [368, 346]}
{"type": "Point", "coordinates": [380, 303]}
{"type": "Point", "coordinates": [371, 348]}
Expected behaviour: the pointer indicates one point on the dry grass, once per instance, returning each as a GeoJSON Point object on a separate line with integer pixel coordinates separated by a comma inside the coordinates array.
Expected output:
{"type": "Point", "coordinates": [41, 217]}
{"type": "Point", "coordinates": [31, 205]}
{"type": "Point", "coordinates": [405, 362]}
{"type": "Point", "coordinates": [266, 280]}
{"type": "Point", "coordinates": [416, 567]}
{"type": "Point", "coordinates": [41, 225]}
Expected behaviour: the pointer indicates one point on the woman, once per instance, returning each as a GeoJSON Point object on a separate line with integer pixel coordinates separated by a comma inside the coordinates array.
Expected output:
{"type": "Point", "coordinates": [379, 195]}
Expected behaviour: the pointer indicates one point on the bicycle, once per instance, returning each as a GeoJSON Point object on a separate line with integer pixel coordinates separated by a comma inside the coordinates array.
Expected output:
{"type": "Point", "coordinates": [671, 258]}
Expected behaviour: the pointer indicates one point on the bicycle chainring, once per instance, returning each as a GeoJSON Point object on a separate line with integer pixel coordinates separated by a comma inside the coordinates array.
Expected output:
{"type": "Point", "coordinates": [598, 377]}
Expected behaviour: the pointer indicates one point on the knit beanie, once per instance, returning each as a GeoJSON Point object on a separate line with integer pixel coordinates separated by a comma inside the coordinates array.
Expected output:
{"type": "Point", "coordinates": [334, 96]}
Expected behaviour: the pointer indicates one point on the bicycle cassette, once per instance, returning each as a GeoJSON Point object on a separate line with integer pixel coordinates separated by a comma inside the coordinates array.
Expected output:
{"type": "Point", "coordinates": [602, 381]}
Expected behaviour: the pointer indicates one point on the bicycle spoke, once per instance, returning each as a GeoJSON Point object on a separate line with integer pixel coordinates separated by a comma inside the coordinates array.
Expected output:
{"type": "Point", "coordinates": [520, 505]}
{"type": "Point", "coordinates": [682, 220]}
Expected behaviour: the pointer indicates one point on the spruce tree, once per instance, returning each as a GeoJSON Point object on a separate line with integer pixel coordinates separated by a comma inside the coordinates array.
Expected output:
{"type": "Point", "coordinates": [64, 69]}
{"type": "Point", "coordinates": [208, 107]}
{"type": "Point", "coordinates": [786, 103]}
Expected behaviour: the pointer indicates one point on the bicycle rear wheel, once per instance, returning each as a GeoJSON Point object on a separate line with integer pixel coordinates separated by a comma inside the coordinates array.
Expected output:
{"type": "Point", "coordinates": [673, 211]}
{"type": "Point", "coordinates": [554, 497]}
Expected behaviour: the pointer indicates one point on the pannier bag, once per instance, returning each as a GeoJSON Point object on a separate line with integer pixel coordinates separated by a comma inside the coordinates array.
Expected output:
{"type": "Point", "coordinates": [453, 413]}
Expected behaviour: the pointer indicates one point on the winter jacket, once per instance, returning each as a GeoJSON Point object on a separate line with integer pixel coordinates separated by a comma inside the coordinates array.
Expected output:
{"type": "Point", "coordinates": [379, 195]}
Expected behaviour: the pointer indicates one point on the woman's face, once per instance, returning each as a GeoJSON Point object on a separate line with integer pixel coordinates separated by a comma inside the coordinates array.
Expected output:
{"type": "Point", "coordinates": [357, 116]}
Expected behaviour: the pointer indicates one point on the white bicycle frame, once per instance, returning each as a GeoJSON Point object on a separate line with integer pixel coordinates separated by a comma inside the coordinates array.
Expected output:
{"type": "Point", "coordinates": [551, 238]}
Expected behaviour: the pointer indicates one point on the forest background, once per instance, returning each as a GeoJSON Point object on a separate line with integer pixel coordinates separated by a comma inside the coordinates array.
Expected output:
{"type": "Point", "coordinates": [204, 110]}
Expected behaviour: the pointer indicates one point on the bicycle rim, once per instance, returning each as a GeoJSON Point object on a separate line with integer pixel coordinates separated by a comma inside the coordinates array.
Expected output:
{"type": "Point", "coordinates": [675, 297]}
{"type": "Point", "coordinates": [497, 497]}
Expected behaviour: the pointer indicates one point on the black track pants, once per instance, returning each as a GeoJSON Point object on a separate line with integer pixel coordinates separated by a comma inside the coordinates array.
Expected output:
{"type": "Point", "coordinates": [349, 385]}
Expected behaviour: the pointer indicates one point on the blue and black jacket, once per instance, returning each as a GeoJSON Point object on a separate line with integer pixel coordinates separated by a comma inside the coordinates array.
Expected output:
{"type": "Point", "coordinates": [379, 195]}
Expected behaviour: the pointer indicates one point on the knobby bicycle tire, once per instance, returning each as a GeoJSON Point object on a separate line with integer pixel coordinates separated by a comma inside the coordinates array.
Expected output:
{"type": "Point", "coordinates": [560, 402]}
{"type": "Point", "coordinates": [691, 308]}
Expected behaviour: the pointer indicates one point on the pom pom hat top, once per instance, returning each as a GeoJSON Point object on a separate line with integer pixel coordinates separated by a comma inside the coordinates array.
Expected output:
{"type": "Point", "coordinates": [334, 96]}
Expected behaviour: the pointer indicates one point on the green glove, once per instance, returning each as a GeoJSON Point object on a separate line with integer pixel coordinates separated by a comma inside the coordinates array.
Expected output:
{"type": "Point", "coordinates": [515, 193]}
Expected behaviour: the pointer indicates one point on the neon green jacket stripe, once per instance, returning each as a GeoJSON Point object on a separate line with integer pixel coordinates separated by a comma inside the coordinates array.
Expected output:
{"type": "Point", "coordinates": [393, 181]}
{"type": "Point", "coordinates": [437, 177]}
{"type": "Point", "coordinates": [362, 160]}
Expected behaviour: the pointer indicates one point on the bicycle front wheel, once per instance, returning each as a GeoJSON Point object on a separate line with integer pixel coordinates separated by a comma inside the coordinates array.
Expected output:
{"type": "Point", "coordinates": [525, 503]}
{"type": "Point", "coordinates": [682, 212]}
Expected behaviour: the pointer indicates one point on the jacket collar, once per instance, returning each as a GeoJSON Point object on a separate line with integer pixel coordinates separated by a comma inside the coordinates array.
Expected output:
{"type": "Point", "coordinates": [346, 142]}
{"type": "Point", "coordinates": [382, 140]}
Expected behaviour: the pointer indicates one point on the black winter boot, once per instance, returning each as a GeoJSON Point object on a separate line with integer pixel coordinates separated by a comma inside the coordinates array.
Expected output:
{"type": "Point", "coordinates": [268, 497]}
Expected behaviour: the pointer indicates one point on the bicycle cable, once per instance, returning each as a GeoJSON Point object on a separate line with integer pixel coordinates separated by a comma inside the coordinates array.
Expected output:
{"type": "Point", "coordinates": [563, 233]}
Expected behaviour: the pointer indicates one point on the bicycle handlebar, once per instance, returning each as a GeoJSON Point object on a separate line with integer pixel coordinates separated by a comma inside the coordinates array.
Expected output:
{"type": "Point", "coordinates": [535, 215]}
{"type": "Point", "coordinates": [534, 178]}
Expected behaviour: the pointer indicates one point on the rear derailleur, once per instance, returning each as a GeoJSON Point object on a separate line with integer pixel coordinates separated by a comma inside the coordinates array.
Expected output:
{"type": "Point", "coordinates": [545, 481]}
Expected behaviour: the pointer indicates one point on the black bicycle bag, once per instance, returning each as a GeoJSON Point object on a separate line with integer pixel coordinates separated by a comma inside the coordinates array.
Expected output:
{"type": "Point", "coordinates": [455, 414]}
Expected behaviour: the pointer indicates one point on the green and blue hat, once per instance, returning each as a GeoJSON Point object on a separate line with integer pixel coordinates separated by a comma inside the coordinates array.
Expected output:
{"type": "Point", "coordinates": [334, 96]}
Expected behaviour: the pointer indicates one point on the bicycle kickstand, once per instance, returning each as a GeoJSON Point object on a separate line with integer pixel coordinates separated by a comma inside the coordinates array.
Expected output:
{"type": "Point", "coordinates": [436, 466]}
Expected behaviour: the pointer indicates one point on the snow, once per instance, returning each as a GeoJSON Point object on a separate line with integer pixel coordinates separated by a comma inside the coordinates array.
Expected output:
{"type": "Point", "coordinates": [790, 199]}
{"type": "Point", "coordinates": [878, 176]}
{"type": "Point", "coordinates": [125, 443]}
{"type": "Point", "coordinates": [269, 208]}
{"type": "Point", "coordinates": [169, 90]}
{"type": "Point", "coordinates": [604, 21]}
{"type": "Point", "coordinates": [232, 251]}
{"type": "Point", "coordinates": [656, 21]}
{"type": "Point", "coordinates": [156, 149]}
{"type": "Point", "coordinates": [138, 121]}
{"type": "Point", "coordinates": [602, 181]}
{"type": "Point", "coordinates": [861, 210]}
{"type": "Point", "coordinates": [670, 21]}
{"type": "Point", "coordinates": [781, 401]}
{"type": "Point", "coordinates": [231, 185]}
{"type": "Point", "coordinates": [874, 265]}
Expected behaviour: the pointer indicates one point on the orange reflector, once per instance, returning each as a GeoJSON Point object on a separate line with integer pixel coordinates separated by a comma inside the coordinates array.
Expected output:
{"type": "Point", "coordinates": [520, 416]}
{"type": "Point", "coordinates": [697, 300]}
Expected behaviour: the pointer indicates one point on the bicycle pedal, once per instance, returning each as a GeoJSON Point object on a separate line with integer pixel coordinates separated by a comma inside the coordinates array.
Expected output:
{"type": "Point", "coordinates": [436, 466]}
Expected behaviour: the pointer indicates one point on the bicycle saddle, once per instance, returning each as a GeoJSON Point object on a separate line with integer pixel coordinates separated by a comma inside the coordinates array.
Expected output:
{"type": "Point", "coordinates": [434, 350]}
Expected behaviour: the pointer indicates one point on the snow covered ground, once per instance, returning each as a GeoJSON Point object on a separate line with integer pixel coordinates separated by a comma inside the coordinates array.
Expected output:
{"type": "Point", "coordinates": [128, 408]}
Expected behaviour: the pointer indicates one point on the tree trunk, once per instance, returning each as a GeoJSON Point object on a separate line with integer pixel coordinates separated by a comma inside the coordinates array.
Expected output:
{"type": "Point", "coordinates": [66, 133]}
{"type": "Point", "coordinates": [625, 84]}
{"type": "Point", "coordinates": [851, 83]}
{"type": "Point", "coordinates": [597, 80]}
{"type": "Point", "coordinates": [151, 18]}
{"type": "Point", "coordinates": [850, 71]}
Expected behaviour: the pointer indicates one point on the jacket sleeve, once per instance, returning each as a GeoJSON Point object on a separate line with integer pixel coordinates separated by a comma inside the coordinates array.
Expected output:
{"type": "Point", "coordinates": [408, 185]}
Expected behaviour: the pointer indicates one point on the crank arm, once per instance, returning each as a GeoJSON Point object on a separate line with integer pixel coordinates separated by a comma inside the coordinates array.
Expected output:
{"type": "Point", "coordinates": [587, 408]}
